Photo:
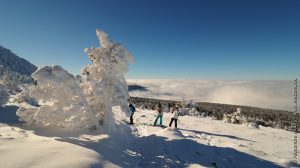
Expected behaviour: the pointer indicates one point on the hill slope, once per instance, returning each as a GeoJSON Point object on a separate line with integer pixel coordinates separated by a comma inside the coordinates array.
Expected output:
{"type": "Point", "coordinates": [12, 62]}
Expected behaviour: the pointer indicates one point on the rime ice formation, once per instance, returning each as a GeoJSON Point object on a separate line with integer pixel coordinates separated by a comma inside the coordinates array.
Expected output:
{"type": "Point", "coordinates": [103, 81]}
{"type": "Point", "coordinates": [61, 101]}
{"type": "Point", "coordinates": [85, 101]}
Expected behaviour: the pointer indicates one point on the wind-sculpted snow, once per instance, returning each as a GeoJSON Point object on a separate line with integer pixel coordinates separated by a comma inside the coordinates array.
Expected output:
{"type": "Point", "coordinates": [61, 101]}
{"type": "Point", "coordinates": [85, 101]}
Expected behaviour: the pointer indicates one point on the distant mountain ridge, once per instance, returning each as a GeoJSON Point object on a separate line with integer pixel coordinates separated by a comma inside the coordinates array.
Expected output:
{"type": "Point", "coordinates": [12, 62]}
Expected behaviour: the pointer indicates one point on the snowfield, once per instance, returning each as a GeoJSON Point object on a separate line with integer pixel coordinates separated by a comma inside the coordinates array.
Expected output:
{"type": "Point", "coordinates": [198, 142]}
{"type": "Point", "coordinates": [63, 121]}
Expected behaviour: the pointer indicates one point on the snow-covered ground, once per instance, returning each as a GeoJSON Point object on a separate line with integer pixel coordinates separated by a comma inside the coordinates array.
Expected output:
{"type": "Point", "coordinates": [198, 142]}
{"type": "Point", "coordinates": [273, 94]}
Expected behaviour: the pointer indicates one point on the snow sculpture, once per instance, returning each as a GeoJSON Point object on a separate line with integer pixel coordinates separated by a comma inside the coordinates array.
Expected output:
{"type": "Point", "coordinates": [3, 95]}
{"type": "Point", "coordinates": [103, 82]}
{"type": "Point", "coordinates": [61, 101]}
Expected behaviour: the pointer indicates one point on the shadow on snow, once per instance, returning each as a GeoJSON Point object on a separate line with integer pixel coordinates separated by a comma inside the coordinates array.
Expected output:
{"type": "Point", "coordinates": [214, 134]}
{"type": "Point", "coordinates": [150, 151]}
{"type": "Point", "coordinates": [8, 115]}
{"type": "Point", "coordinates": [156, 151]}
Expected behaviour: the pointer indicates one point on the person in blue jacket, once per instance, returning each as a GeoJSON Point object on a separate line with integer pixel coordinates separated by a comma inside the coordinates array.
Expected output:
{"type": "Point", "coordinates": [132, 109]}
{"type": "Point", "coordinates": [159, 115]}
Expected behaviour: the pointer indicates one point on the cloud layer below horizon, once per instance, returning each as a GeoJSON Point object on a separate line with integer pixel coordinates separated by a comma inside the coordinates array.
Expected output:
{"type": "Point", "coordinates": [277, 94]}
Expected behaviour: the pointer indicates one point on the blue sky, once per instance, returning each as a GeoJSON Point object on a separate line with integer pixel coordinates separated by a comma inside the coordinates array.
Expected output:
{"type": "Point", "coordinates": [174, 39]}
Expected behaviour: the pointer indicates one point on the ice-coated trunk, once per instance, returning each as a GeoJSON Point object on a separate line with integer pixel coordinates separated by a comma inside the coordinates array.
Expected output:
{"type": "Point", "coordinates": [108, 118]}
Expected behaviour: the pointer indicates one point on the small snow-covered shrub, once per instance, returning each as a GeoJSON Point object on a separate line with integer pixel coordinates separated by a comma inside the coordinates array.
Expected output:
{"type": "Point", "coordinates": [193, 112]}
{"type": "Point", "coordinates": [184, 111]}
{"type": "Point", "coordinates": [166, 108]}
{"type": "Point", "coordinates": [235, 118]}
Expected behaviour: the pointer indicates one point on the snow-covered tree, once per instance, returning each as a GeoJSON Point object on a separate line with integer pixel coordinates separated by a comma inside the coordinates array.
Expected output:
{"type": "Point", "coordinates": [103, 81]}
{"type": "Point", "coordinates": [85, 101]}
{"type": "Point", "coordinates": [166, 108]}
{"type": "Point", "coordinates": [61, 101]}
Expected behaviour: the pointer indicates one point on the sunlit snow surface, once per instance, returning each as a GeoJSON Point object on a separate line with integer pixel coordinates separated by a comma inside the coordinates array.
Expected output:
{"type": "Point", "coordinates": [198, 142]}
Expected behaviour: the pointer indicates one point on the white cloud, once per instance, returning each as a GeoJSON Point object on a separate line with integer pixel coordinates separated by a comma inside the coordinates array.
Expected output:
{"type": "Point", "coordinates": [267, 94]}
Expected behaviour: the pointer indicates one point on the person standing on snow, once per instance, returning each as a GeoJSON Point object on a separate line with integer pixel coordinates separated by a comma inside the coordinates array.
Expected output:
{"type": "Point", "coordinates": [175, 113]}
{"type": "Point", "coordinates": [159, 115]}
{"type": "Point", "coordinates": [132, 109]}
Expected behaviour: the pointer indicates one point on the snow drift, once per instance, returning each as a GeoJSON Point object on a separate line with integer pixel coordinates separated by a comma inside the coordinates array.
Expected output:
{"type": "Point", "coordinates": [85, 101]}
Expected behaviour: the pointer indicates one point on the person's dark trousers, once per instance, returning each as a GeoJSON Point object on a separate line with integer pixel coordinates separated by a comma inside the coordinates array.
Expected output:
{"type": "Point", "coordinates": [172, 122]}
{"type": "Point", "coordinates": [131, 118]}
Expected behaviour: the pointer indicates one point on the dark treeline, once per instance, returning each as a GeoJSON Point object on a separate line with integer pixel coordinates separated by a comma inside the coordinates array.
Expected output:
{"type": "Point", "coordinates": [268, 117]}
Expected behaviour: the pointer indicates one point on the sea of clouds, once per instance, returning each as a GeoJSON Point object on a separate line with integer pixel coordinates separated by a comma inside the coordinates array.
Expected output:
{"type": "Point", "coordinates": [275, 94]}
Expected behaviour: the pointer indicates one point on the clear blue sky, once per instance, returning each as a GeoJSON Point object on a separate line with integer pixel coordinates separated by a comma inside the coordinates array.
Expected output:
{"type": "Point", "coordinates": [182, 39]}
